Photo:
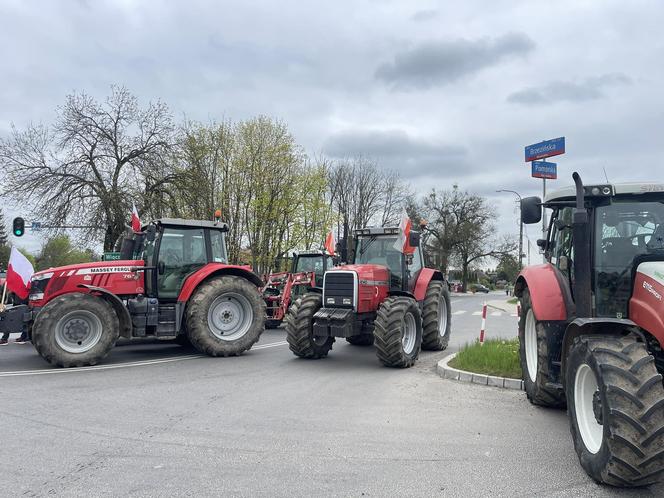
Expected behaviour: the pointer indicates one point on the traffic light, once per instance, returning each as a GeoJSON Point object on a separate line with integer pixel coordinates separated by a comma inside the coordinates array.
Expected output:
{"type": "Point", "coordinates": [19, 226]}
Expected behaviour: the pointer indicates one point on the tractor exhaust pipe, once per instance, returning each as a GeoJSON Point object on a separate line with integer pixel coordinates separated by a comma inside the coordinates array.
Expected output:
{"type": "Point", "coordinates": [581, 238]}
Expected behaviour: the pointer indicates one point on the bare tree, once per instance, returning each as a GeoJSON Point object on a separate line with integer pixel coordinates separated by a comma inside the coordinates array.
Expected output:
{"type": "Point", "coordinates": [91, 163]}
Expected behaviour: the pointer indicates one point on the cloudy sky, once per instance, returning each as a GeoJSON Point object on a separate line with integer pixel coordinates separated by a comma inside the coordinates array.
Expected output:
{"type": "Point", "coordinates": [443, 92]}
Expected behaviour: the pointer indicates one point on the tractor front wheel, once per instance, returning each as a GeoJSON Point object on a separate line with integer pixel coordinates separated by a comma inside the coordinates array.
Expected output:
{"type": "Point", "coordinates": [75, 330]}
{"type": "Point", "coordinates": [534, 353]}
{"type": "Point", "coordinates": [436, 317]}
{"type": "Point", "coordinates": [299, 328]}
{"type": "Point", "coordinates": [398, 332]}
{"type": "Point", "coordinates": [225, 316]}
{"type": "Point", "coordinates": [615, 405]}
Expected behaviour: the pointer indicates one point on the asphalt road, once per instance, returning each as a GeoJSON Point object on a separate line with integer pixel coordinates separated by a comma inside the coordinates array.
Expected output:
{"type": "Point", "coordinates": [158, 420]}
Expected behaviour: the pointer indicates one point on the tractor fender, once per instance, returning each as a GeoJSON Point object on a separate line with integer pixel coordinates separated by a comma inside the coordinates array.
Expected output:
{"type": "Point", "coordinates": [118, 306]}
{"type": "Point", "coordinates": [426, 276]}
{"type": "Point", "coordinates": [401, 293]}
{"type": "Point", "coordinates": [213, 270]}
{"type": "Point", "coordinates": [549, 296]}
{"type": "Point", "coordinates": [586, 326]}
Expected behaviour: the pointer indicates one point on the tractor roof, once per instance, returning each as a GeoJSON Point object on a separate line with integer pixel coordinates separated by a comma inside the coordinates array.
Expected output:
{"type": "Point", "coordinates": [605, 190]}
{"type": "Point", "coordinates": [377, 231]}
{"type": "Point", "coordinates": [306, 254]}
{"type": "Point", "coordinates": [179, 222]}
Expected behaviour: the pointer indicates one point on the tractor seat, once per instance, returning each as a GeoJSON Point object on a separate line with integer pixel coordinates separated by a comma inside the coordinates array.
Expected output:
{"type": "Point", "coordinates": [619, 252]}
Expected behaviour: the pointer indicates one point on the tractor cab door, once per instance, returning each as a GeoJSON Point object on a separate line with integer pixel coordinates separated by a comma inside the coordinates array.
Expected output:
{"type": "Point", "coordinates": [182, 251]}
{"type": "Point", "coordinates": [560, 249]}
{"type": "Point", "coordinates": [414, 267]}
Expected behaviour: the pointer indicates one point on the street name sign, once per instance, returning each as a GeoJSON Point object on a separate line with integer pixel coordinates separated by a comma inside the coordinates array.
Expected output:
{"type": "Point", "coordinates": [542, 169]}
{"type": "Point", "coordinates": [544, 149]}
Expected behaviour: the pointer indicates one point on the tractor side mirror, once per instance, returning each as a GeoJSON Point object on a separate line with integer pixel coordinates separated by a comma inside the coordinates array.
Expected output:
{"type": "Point", "coordinates": [161, 267]}
{"type": "Point", "coordinates": [150, 233]}
{"type": "Point", "coordinates": [541, 243]}
{"type": "Point", "coordinates": [414, 239]}
{"type": "Point", "coordinates": [531, 210]}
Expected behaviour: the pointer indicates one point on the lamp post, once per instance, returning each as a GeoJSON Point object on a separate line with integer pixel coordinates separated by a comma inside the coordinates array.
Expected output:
{"type": "Point", "coordinates": [520, 228]}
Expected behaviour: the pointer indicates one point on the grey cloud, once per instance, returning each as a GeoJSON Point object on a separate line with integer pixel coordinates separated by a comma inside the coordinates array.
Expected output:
{"type": "Point", "coordinates": [438, 63]}
{"type": "Point", "coordinates": [424, 15]}
{"type": "Point", "coordinates": [568, 91]}
{"type": "Point", "coordinates": [395, 149]}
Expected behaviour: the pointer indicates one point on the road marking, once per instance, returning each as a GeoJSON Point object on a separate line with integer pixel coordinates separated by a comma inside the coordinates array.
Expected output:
{"type": "Point", "coordinates": [477, 313]}
{"type": "Point", "coordinates": [496, 313]}
{"type": "Point", "coordinates": [47, 371]}
{"type": "Point", "coordinates": [460, 312]}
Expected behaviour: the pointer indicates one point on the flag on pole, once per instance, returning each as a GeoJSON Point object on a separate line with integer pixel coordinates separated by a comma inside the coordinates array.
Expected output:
{"type": "Point", "coordinates": [330, 243]}
{"type": "Point", "coordinates": [403, 241]}
{"type": "Point", "coordinates": [19, 272]}
{"type": "Point", "coordinates": [135, 220]}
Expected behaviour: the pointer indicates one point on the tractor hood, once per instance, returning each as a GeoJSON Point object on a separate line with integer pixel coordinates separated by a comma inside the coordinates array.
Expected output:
{"type": "Point", "coordinates": [646, 308]}
{"type": "Point", "coordinates": [372, 286]}
{"type": "Point", "coordinates": [87, 268]}
{"type": "Point", "coordinates": [368, 274]}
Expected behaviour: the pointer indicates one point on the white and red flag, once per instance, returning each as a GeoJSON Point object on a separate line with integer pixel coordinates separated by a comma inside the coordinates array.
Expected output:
{"type": "Point", "coordinates": [330, 243]}
{"type": "Point", "coordinates": [19, 272]}
{"type": "Point", "coordinates": [135, 220]}
{"type": "Point", "coordinates": [403, 241]}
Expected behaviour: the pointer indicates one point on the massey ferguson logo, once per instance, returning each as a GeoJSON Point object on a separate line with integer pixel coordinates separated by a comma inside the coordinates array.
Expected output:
{"type": "Point", "coordinates": [647, 286]}
{"type": "Point", "coordinates": [104, 269]}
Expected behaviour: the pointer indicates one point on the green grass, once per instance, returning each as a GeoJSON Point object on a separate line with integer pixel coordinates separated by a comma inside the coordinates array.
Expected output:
{"type": "Point", "coordinates": [496, 357]}
{"type": "Point", "coordinates": [514, 300]}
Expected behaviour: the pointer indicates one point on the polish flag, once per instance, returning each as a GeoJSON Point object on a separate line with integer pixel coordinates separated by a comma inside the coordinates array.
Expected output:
{"type": "Point", "coordinates": [330, 243]}
{"type": "Point", "coordinates": [135, 220]}
{"type": "Point", "coordinates": [403, 241]}
{"type": "Point", "coordinates": [19, 271]}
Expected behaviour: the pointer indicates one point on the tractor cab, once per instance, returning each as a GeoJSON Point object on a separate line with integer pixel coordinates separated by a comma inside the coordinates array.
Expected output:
{"type": "Point", "coordinates": [172, 249]}
{"type": "Point", "coordinates": [317, 262]}
{"type": "Point", "coordinates": [378, 246]}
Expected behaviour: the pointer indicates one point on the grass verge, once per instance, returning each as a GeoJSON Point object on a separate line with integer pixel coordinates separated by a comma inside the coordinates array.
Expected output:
{"type": "Point", "coordinates": [514, 300]}
{"type": "Point", "coordinates": [496, 357]}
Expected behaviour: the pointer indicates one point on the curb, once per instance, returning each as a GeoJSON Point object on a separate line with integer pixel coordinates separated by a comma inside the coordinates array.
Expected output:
{"type": "Point", "coordinates": [447, 372]}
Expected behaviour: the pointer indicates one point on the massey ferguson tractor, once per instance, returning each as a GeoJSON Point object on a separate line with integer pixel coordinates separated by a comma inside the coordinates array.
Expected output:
{"type": "Point", "coordinates": [592, 325]}
{"type": "Point", "coordinates": [385, 297]}
{"type": "Point", "coordinates": [307, 270]}
{"type": "Point", "coordinates": [179, 285]}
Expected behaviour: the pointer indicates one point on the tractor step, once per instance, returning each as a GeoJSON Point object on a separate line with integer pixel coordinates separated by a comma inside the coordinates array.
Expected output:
{"type": "Point", "coordinates": [167, 323]}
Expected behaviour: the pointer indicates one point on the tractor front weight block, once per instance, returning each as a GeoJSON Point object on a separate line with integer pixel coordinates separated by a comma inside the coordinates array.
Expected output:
{"type": "Point", "coordinates": [335, 322]}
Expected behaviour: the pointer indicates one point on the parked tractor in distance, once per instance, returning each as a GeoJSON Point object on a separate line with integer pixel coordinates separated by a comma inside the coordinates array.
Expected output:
{"type": "Point", "coordinates": [307, 270]}
{"type": "Point", "coordinates": [182, 285]}
{"type": "Point", "coordinates": [384, 298]}
{"type": "Point", "coordinates": [592, 325]}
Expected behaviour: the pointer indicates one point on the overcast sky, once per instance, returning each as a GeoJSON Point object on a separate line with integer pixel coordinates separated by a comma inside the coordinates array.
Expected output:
{"type": "Point", "coordinates": [443, 92]}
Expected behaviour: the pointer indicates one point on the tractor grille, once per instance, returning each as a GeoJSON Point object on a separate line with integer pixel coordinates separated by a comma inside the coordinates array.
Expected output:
{"type": "Point", "coordinates": [339, 289]}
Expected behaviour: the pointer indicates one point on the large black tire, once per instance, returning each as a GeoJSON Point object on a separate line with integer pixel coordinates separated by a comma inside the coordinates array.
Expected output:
{"type": "Point", "coordinates": [299, 328]}
{"type": "Point", "coordinates": [436, 317]}
{"type": "Point", "coordinates": [628, 405]}
{"type": "Point", "coordinates": [75, 330]}
{"type": "Point", "coordinates": [361, 340]}
{"type": "Point", "coordinates": [537, 390]}
{"type": "Point", "coordinates": [225, 316]}
{"type": "Point", "coordinates": [389, 328]}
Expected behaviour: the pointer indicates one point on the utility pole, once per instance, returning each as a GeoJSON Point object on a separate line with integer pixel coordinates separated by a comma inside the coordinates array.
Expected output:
{"type": "Point", "coordinates": [520, 228]}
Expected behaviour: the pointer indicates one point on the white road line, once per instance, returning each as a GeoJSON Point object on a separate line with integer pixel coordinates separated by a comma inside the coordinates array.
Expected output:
{"type": "Point", "coordinates": [514, 314]}
{"type": "Point", "coordinates": [460, 312]}
{"type": "Point", "coordinates": [21, 373]}
{"type": "Point", "coordinates": [496, 313]}
{"type": "Point", "coordinates": [477, 313]}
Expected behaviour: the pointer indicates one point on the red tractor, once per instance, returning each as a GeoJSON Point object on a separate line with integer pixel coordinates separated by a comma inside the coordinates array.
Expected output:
{"type": "Point", "coordinates": [592, 325]}
{"type": "Point", "coordinates": [384, 297]}
{"type": "Point", "coordinates": [307, 270]}
{"type": "Point", "coordinates": [180, 286]}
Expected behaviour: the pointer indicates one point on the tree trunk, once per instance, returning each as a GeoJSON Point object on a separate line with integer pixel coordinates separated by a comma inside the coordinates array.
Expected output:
{"type": "Point", "coordinates": [464, 277]}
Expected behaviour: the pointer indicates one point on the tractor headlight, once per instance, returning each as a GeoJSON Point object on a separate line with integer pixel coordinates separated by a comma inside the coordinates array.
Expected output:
{"type": "Point", "coordinates": [347, 300]}
{"type": "Point", "coordinates": [37, 296]}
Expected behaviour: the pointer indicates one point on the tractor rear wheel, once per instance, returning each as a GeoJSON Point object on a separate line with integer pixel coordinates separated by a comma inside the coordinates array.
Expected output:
{"type": "Point", "coordinates": [75, 330]}
{"type": "Point", "coordinates": [534, 354]}
{"type": "Point", "coordinates": [436, 317]}
{"type": "Point", "coordinates": [225, 316]}
{"type": "Point", "coordinates": [361, 340]}
{"type": "Point", "coordinates": [299, 328]}
{"type": "Point", "coordinates": [616, 410]}
{"type": "Point", "coordinates": [398, 332]}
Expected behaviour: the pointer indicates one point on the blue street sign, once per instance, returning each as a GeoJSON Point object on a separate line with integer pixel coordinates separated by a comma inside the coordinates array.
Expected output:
{"type": "Point", "coordinates": [542, 169]}
{"type": "Point", "coordinates": [36, 226]}
{"type": "Point", "coordinates": [544, 149]}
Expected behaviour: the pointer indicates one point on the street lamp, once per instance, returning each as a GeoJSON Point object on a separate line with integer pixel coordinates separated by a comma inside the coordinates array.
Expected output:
{"type": "Point", "coordinates": [520, 228]}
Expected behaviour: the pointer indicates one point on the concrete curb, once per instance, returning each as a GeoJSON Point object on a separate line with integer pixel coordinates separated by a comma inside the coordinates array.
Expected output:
{"type": "Point", "coordinates": [447, 372]}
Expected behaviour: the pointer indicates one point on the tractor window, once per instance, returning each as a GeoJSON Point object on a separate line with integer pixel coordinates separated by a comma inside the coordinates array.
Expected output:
{"type": "Point", "coordinates": [623, 231]}
{"type": "Point", "coordinates": [562, 249]}
{"type": "Point", "coordinates": [218, 246]}
{"type": "Point", "coordinates": [380, 251]}
{"type": "Point", "coordinates": [181, 251]}
{"type": "Point", "coordinates": [414, 268]}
